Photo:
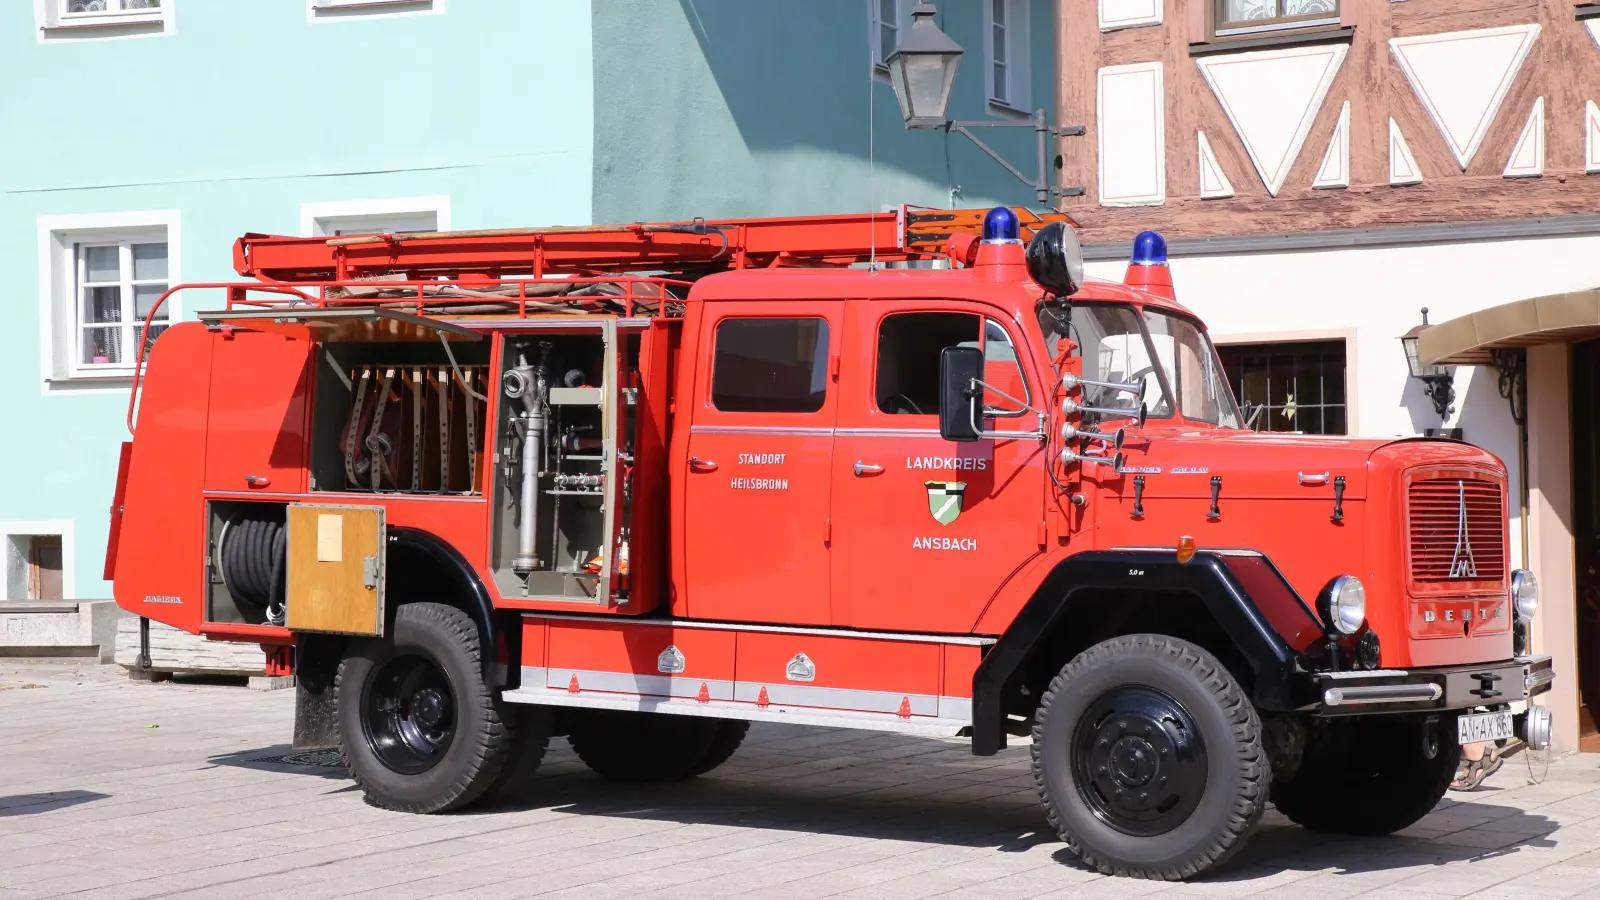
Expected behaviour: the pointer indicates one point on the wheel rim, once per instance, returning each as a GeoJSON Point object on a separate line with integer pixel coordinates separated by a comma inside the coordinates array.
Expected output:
{"type": "Point", "coordinates": [409, 714]}
{"type": "Point", "coordinates": [1139, 761]}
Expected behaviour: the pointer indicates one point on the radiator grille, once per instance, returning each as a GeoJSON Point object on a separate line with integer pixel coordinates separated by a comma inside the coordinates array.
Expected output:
{"type": "Point", "coordinates": [1439, 540]}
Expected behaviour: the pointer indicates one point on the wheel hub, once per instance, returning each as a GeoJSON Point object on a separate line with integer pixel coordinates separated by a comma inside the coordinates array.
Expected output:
{"type": "Point", "coordinates": [1139, 761]}
{"type": "Point", "coordinates": [408, 713]}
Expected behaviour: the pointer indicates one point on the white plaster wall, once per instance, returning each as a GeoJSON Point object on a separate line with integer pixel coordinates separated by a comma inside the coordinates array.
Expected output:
{"type": "Point", "coordinates": [1378, 292]}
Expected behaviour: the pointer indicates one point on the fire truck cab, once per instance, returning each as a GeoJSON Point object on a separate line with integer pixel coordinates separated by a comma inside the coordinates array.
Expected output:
{"type": "Point", "coordinates": [642, 485]}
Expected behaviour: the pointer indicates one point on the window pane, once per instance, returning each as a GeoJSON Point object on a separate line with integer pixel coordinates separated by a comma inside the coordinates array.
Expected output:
{"type": "Point", "coordinates": [1113, 349]}
{"type": "Point", "coordinates": [149, 261]}
{"type": "Point", "coordinates": [102, 304]}
{"type": "Point", "coordinates": [909, 345]}
{"type": "Point", "coordinates": [145, 297]}
{"type": "Point", "coordinates": [79, 6]}
{"type": "Point", "coordinates": [1192, 369]}
{"type": "Point", "coordinates": [1249, 10]}
{"type": "Point", "coordinates": [1308, 7]}
{"type": "Point", "coordinates": [155, 332]}
{"type": "Point", "coordinates": [999, 44]}
{"type": "Point", "coordinates": [1000, 82]}
{"type": "Point", "coordinates": [101, 264]}
{"type": "Point", "coordinates": [770, 365]}
{"type": "Point", "coordinates": [1007, 391]}
{"type": "Point", "coordinates": [998, 11]}
{"type": "Point", "coordinates": [102, 346]}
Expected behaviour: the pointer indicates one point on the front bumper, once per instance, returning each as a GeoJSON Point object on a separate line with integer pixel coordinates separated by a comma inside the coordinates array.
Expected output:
{"type": "Point", "coordinates": [1444, 688]}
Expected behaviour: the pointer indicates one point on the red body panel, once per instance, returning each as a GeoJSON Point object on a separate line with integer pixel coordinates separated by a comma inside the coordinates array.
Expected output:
{"type": "Point", "coordinates": [257, 426]}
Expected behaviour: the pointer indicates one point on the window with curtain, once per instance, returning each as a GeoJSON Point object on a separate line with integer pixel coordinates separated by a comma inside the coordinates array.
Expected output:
{"type": "Point", "coordinates": [1246, 16]}
{"type": "Point", "coordinates": [117, 284]}
{"type": "Point", "coordinates": [1289, 386]}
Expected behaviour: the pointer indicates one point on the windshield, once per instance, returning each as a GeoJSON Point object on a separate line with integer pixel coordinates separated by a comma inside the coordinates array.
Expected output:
{"type": "Point", "coordinates": [1116, 346]}
{"type": "Point", "coordinates": [1192, 370]}
{"type": "Point", "coordinates": [1113, 348]}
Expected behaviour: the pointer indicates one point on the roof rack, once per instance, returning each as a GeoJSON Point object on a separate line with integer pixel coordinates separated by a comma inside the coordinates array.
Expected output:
{"type": "Point", "coordinates": [673, 249]}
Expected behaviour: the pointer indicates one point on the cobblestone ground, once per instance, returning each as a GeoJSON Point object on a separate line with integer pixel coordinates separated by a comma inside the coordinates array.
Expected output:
{"type": "Point", "coordinates": [116, 790]}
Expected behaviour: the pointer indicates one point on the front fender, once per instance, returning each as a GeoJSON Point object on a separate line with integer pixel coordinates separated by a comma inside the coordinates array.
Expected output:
{"type": "Point", "coordinates": [1208, 576]}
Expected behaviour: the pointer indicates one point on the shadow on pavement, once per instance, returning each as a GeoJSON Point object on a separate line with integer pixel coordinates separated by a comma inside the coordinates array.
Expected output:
{"type": "Point", "coordinates": [32, 804]}
{"type": "Point", "coordinates": [284, 758]}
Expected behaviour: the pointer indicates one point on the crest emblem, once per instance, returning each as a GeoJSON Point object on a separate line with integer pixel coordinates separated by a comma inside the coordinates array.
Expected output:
{"type": "Point", "coordinates": [944, 499]}
{"type": "Point", "coordinates": [1462, 565]}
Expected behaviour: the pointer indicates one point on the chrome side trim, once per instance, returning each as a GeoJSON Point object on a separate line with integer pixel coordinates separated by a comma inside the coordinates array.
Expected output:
{"type": "Point", "coordinates": [780, 694]}
{"type": "Point", "coordinates": [887, 432]}
{"type": "Point", "coordinates": [627, 683]}
{"type": "Point", "coordinates": [349, 498]}
{"type": "Point", "coordinates": [1363, 673]}
{"type": "Point", "coordinates": [1363, 695]}
{"type": "Point", "coordinates": [760, 429]}
{"type": "Point", "coordinates": [1539, 677]}
{"type": "Point", "coordinates": [961, 639]}
{"type": "Point", "coordinates": [717, 709]}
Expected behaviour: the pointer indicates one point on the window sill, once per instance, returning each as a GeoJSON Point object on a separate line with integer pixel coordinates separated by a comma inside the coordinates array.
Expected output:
{"type": "Point", "coordinates": [1008, 111]}
{"type": "Point", "coordinates": [327, 7]}
{"type": "Point", "coordinates": [1329, 34]}
{"type": "Point", "coordinates": [106, 26]}
{"type": "Point", "coordinates": [108, 376]}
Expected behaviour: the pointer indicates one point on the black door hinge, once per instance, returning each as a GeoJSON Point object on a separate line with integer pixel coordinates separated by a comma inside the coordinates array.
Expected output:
{"type": "Point", "coordinates": [1216, 492]}
{"type": "Point", "coordinates": [1138, 496]}
{"type": "Point", "coordinates": [1338, 498]}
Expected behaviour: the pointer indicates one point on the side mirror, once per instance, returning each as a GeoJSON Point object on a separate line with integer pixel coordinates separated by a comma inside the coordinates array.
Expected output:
{"type": "Point", "coordinates": [959, 370]}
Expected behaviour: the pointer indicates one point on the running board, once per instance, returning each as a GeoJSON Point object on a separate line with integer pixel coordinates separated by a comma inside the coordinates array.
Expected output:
{"type": "Point", "coordinates": [721, 709]}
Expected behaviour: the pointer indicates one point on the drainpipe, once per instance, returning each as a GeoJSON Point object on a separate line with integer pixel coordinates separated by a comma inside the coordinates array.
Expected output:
{"type": "Point", "coordinates": [1512, 367]}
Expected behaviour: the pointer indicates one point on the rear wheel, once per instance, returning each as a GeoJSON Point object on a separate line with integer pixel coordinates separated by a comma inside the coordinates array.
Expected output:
{"type": "Point", "coordinates": [640, 746]}
{"type": "Point", "coordinates": [1370, 776]}
{"type": "Point", "coordinates": [1148, 758]}
{"type": "Point", "coordinates": [419, 728]}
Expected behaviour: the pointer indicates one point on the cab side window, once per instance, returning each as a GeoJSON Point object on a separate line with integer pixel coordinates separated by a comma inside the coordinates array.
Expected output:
{"type": "Point", "coordinates": [770, 365]}
{"type": "Point", "coordinates": [909, 345]}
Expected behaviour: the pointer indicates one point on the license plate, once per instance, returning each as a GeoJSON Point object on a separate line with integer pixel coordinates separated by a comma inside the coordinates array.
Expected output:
{"type": "Point", "coordinates": [1495, 726]}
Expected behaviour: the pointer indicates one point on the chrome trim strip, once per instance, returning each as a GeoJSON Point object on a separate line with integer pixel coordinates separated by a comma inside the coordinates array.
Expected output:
{"type": "Point", "coordinates": [1541, 677]}
{"type": "Point", "coordinates": [1363, 673]}
{"type": "Point", "coordinates": [781, 694]}
{"type": "Point", "coordinates": [955, 708]}
{"type": "Point", "coordinates": [629, 683]}
{"type": "Point", "coordinates": [329, 496]}
{"type": "Point", "coordinates": [947, 728]}
{"type": "Point", "coordinates": [965, 640]}
{"type": "Point", "coordinates": [760, 429]}
{"type": "Point", "coordinates": [1363, 695]}
{"type": "Point", "coordinates": [888, 432]}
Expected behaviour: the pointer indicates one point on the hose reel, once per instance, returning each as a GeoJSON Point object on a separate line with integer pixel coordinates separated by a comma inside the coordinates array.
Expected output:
{"type": "Point", "coordinates": [252, 555]}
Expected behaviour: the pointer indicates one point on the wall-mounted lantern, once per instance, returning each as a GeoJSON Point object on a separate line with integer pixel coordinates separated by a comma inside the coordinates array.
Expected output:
{"type": "Point", "coordinates": [922, 70]}
{"type": "Point", "coordinates": [1438, 381]}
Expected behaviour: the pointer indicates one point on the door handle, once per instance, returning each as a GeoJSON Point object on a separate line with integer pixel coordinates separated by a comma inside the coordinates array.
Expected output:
{"type": "Point", "coordinates": [257, 481]}
{"type": "Point", "coordinates": [863, 469]}
{"type": "Point", "coordinates": [1313, 478]}
{"type": "Point", "coordinates": [696, 464]}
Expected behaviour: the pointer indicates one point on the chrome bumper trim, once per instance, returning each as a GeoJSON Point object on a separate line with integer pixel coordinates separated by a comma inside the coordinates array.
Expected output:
{"type": "Point", "coordinates": [1361, 695]}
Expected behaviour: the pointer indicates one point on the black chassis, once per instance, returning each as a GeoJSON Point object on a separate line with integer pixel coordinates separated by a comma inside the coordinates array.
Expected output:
{"type": "Point", "coordinates": [1284, 680]}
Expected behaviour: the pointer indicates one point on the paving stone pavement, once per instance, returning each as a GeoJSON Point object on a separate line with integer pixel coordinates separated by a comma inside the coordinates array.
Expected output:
{"type": "Point", "coordinates": [110, 789]}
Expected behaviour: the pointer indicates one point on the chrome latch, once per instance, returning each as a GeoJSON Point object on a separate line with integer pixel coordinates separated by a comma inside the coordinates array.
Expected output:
{"type": "Point", "coordinates": [369, 572]}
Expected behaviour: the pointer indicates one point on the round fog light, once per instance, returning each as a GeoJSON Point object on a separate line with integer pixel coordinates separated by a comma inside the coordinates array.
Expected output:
{"type": "Point", "coordinates": [1524, 594]}
{"type": "Point", "coordinates": [1368, 650]}
{"type": "Point", "coordinates": [1343, 604]}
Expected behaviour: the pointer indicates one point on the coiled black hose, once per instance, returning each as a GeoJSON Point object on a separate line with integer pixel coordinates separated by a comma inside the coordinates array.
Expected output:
{"type": "Point", "coordinates": [253, 558]}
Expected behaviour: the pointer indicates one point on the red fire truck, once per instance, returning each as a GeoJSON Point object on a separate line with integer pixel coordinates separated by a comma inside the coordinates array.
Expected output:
{"type": "Point", "coordinates": [642, 485]}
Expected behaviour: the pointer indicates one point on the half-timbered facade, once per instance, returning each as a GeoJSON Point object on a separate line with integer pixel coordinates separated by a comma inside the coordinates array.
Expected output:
{"type": "Point", "coordinates": [1322, 170]}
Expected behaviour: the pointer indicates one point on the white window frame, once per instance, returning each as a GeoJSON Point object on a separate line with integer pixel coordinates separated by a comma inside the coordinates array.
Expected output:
{"type": "Point", "coordinates": [59, 331]}
{"type": "Point", "coordinates": [343, 10]}
{"type": "Point", "coordinates": [55, 23]}
{"type": "Point", "coordinates": [902, 9]}
{"type": "Point", "coordinates": [1014, 94]}
{"type": "Point", "coordinates": [313, 214]}
{"type": "Point", "coordinates": [64, 528]}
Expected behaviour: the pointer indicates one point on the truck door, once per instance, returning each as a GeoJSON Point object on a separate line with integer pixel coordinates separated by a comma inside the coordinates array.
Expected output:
{"type": "Point", "coordinates": [760, 454]}
{"type": "Point", "coordinates": [256, 429]}
{"type": "Point", "coordinates": [926, 530]}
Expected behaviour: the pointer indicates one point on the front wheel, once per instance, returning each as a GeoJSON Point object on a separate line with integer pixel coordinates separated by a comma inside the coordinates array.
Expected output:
{"type": "Point", "coordinates": [418, 726]}
{"type": "Point", "coordinates": [1372, 775]}
{"type": "Point", "coordinates": [1148, 758]}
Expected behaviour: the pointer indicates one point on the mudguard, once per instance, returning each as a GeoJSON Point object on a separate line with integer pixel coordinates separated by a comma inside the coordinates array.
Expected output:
{"type": "Point", "coordinates": [474, 597]}
{"type": "Point", "coordinates": [1208, 576]}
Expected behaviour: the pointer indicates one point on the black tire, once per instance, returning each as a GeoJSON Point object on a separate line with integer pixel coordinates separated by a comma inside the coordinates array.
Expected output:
{"type": "Point", "coordinates": [730, 734]}
{"type": "Point", "coordinates": [1371, 775]}
{"type": "Point", "coordinates": [418, 727]}
{"type": "Point", "coordinates": [530, 738]}
{"type": "Point", "coordinates": [641, 746]}
{"type": "Point", "coordinates": [1148, 758]}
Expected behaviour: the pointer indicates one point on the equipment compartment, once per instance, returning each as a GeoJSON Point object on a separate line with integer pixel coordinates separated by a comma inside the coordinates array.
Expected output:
{"type": "Point", "coordinates": [563, 446]}
{"type": "Point", "coordinates": [400, 418]}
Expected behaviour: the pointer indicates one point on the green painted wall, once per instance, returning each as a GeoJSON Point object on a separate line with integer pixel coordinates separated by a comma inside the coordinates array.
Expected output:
{"type": "Point", "coordinates": [721, 108]}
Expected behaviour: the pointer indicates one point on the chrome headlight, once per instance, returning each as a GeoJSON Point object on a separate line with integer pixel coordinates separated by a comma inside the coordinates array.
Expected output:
{"type": "Point", "coordinates": [1343, 604]}
{"type": "Point", "coordinates": [1524, 594]}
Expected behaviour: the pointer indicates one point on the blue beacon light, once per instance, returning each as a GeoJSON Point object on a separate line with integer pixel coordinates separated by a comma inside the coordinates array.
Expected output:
{"type": "Point", "coordinates": [1149, 249]}
{"type": "Point", "coordinates": [1000, 226]}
